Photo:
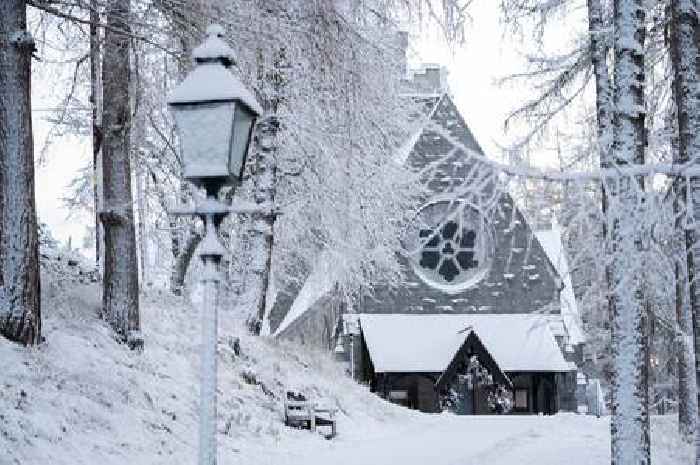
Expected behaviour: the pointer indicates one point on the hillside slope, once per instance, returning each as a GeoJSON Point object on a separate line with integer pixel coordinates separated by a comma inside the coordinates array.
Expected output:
{"type": "Point", "coordinates": [82, 398]}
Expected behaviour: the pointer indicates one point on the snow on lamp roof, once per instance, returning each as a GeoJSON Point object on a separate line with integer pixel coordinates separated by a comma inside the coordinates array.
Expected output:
{"type": "Point", "coordinates": [214, 47]}
{"type": "Point", "coordinates": [210, 80]}
{"type": "Point", "coordinates": [427, 343]}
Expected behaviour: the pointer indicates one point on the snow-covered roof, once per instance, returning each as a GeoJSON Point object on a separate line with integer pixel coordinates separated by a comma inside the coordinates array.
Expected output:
{"type": "Point", "coordinates": [427, 343]}
{"type": "Point", "coordinates": [556, 325]}
{"type": "Point", "coordinates": [318, 284]}
{"type": "Point", "coordinates": [403, 152]}
{"type": "Point", "coordinates": [550, 240]}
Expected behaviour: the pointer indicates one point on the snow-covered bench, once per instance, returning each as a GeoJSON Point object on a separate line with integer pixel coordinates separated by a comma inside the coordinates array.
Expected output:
{"type": "Point", "coordinates": [302, 413]}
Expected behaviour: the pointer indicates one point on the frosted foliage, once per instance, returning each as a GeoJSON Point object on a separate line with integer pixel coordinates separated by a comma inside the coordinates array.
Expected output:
{"type": "Point", "coordinates": [205, 132]}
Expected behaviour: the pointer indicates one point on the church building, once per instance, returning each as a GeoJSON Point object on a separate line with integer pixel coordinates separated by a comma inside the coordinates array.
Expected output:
{"type": "Point", "coordinates": [486, 319]}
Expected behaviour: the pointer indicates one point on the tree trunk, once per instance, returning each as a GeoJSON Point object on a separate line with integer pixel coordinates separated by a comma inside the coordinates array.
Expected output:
{"type": "Point", "coordinates": [603, 103]}
{"type": "Point", "coordinates": [179, 271]}
{"type": "Point", "coordinates": [684, 57]}
{"type": "Point", "coordinates": [272, 82]}
{"type": "Point", "coordinates": [121, 289]}
{"type": "Point", "coordinates": [687, 387]}
{"type": "Point", "coordinates": [142, 186]}
{"type": "Point", "coordinates": [262, 232]}
{"type": "Point", "coordinates": [630, 397]}
{"type": "Point", "coordinates": [138, 162]}
{"type": "Point", "coordinates": [182, 262]}
{"type": "Point", "coordinates": [96, 103]}
{"type": "Point", "coordinates": [20, 310]}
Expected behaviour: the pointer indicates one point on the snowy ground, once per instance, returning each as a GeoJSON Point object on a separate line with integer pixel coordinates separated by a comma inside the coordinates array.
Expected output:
{"type": "Point", "coordinates": [565, 439]}
{"type": "Point", "coordinates": [83, 399]}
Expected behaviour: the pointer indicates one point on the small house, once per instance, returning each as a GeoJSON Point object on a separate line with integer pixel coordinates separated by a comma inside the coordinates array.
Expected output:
{"type": "Point", "coordinates": [463, 363]}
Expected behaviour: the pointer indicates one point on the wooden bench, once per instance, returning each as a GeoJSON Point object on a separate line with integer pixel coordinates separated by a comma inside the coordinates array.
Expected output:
{"type": "Point", "coordinates": [302, 413]}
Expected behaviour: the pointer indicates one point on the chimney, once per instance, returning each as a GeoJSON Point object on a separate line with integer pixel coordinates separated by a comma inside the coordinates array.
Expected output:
{"type": "Point", "coordinates": [429, 79]}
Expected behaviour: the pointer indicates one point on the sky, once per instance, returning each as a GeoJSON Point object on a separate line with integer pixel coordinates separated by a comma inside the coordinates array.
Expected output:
{"type": "Point", "coordinates": [474, 68]}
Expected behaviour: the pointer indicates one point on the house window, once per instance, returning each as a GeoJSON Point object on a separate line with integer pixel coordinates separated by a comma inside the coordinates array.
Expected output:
{"type": "Point", "coordinates": [451, 245]}
{"type": "Point", "coordinates": [399, 397]}
{"type": "Point", "coordinates": [521, 399]}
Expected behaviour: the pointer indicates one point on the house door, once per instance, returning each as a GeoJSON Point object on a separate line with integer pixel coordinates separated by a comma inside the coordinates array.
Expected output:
{"type": "Point", "coordinates": [545, 397]}
{"type": "Point", "coordinates": [467, 404]}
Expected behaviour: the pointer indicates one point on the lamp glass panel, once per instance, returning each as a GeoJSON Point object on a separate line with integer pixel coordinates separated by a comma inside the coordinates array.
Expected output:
{"type": "Point", "coordinates": [242, 128]}
{"type": "Point", "coordinates": [205, 131]}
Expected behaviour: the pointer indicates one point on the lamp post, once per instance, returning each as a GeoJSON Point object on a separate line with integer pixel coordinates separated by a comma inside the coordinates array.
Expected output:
{"type": "Point", "coordinates": [214, 114]}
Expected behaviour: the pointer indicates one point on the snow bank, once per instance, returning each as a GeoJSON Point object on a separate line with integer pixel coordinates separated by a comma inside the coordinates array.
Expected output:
{"type": "Point", "coordinates": [82, 398]}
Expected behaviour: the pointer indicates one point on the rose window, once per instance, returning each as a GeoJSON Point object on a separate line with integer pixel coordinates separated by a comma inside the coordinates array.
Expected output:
{"type": "Point", "coordinates": [452, 246]}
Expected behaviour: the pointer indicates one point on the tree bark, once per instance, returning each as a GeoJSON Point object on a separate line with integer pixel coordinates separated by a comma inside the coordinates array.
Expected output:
{"type": "Point", "coordinates": [262, 233]}
{"type": "Point", "coordinates": [142, 186]}
{"type": "Point", "coordinates": [182, 262]}
{"type": "Point", "coordinates": [138, 138]}
{"type": "Point", "coordinates": [630, 439]}
{"type": "Point", "coordinates": [121, 289]}
{"type": "Point", "coordinates": [20, 310]}
{"type": "Point", "coordinates": [599, 52]}
{"type": "Point", "coordinates": [684, 50]}
{"type": "Point", "coordinates": [96, 103]}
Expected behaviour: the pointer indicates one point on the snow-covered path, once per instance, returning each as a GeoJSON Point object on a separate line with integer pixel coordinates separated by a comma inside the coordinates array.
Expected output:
{"type": "Point", "coordinates": [565, 439]}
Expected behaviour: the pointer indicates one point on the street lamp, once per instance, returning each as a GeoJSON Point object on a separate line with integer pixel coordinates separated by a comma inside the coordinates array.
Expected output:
{"type": "Point", "coordinates": [215, 115]}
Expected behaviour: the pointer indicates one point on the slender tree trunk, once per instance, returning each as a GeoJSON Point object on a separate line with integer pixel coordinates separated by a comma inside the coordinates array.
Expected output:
{"type": "Point", "coordinates": [142, 186]}
{"type": "Point", "coordinates": [599, 46]}
{"type": "Point", "coordinates": [139, 163]}
{"type": "Point", "coordinates": [599, 51]}
{"type": "Point", "coordinates": [262, 232]}
{"type": "Point", "coordinates": [20, 311]}
{"type": "Point", "coordinates": [182, 262]}
{"type": "Point", "coordinates": [121, 289]}
{"type": "Point", "coordinates": [96, 103]}
{"type": "Point", "coordinates": [684, 57]}
{"type": "Point", "coordinates": [630, 397]}
{"type": "Point", "coordinates": [687, 387]}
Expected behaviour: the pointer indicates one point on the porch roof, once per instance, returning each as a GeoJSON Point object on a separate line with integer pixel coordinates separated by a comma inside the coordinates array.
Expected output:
{"type": "Point", "coordinates": [427, 343]}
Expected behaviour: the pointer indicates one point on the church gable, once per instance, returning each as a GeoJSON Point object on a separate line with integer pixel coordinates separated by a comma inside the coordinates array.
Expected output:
{"type": "Point", "coordinates": [473, 254]}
